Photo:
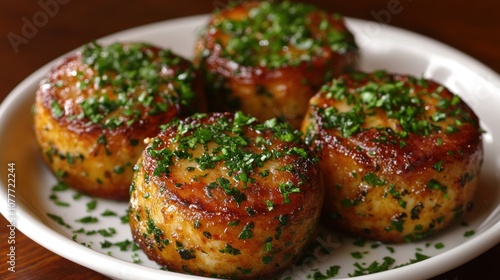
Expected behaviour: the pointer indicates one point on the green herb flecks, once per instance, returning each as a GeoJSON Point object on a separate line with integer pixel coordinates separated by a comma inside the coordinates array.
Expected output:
{"type": "Point", "coordinates": [59, 220]}
{"type": "Point", "coordinates": [399, 99]}
{"type": "Point", "coordinates": [331, 272]}
{"type": "Point", "coordinates": [246, 233]}
{"type": "Point", "coordinates": [287, 189]}
{"type": "Point", "coordinates": [373, 180]}
{"type": "Point", "coordinates": [136, 72]}
{"type": "Point", "coordinates": [88, 220]}
{"type": "Point", "coordinates": [122, 245]}
{"type": "Point", "coordinates": [373, 267]}
{"type": "Point", "coordinates": [56, 109]}
{"type": "Point", "coordinates": [228, 249]}
{"type": "Point", "coordinates": [156, 232]}
{"type": "Point", "coordinates": [185, 254]}
{"type": "Point", "coordinates": [227, 143]}
{"type": "Point", "coordinates": [282, 33]}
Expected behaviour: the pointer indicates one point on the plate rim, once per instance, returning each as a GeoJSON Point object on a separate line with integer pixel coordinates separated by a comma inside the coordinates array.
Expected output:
{"type": "Point", "coordinates": [32, 227]}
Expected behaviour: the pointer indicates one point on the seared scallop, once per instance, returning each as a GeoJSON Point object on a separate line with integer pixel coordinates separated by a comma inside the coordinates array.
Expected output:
{"type": "Point", "coordinates": [95, 108]}
{"type": "Point", "coordinates": [223, 195]}
{"type": "Point", "coordinates": [400, 155]}
{"type": "Point", "coordinates": [268, 59]}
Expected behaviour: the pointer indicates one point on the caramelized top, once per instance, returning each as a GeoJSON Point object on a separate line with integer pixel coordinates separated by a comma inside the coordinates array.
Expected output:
{"type": "Point", "coordinates": [389, 120]}
{"type": "Point", "coordinates": [276, 34]}
{"type": "Point", "coordinates": [222, 161]}
{"type": "Point", "coordinates": [118, 87]}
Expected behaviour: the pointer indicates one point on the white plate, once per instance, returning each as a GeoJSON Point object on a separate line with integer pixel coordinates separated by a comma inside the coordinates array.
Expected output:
{"type": "Point", "coordinates": [382, 47]}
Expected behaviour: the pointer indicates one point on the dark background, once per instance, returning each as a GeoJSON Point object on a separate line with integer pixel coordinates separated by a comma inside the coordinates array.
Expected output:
{"type": "Point", "coordinates": [470, 26]}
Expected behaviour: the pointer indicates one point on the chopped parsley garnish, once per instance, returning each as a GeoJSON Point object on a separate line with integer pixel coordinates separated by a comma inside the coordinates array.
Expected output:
{"type": "Point", "coordinates": [108, 213]}
{"type": "Point", "coordinates": [135, 258]}
{"type": "Point", "coordinates": [56, 109]}
{"type": "Point", "coordinates": [91, 205]}
{"type": "Point", "coordinates": [123, 245]}
{"type": "Point", "coordinates": [400, 99]}
{"type": "Point", "coordinates": [373, 180]}
{"type": "Point", "coordinates": [232, 149]}
{"type": "Point", "coordinates": [267, 259]}
{"type": "Point", "coordinates": [107, 232]}
{"type": "Point", "coordinates": [357, 255]}
{"type": "Point", "coordinates": [225, 184]}
{"type": "Point", "coordinates": [331, 272]}
{"type": "Point", "coordinates": [88, 220]}
{"type": "Point", "coordinates": [469, 233]}
{"type": "Point", "coordinates": [374, 267]}
{"type": "Point", "coordinates": [138, 76]}
{"type": "Point", "coordinates": [59, 187]}
{"type": "Point", "coordinates": [436, 185]}
{"type": "Point", "coordinates": [156, 232]}
{"type": "Point", "coordinates": [59, 220]}
{"type": "Point", "coordinates": [247, 233]}
{"type": "Point", "coordinates": [286, 189]}
{"type": "Point", "coordinates": [274, 34]}
{"type": "Point", "coordinates": [418, 257]}
{"type": "Point", "coordinates": [230, 250]}
{"type": "Point", "coordinates": [58, 202]}
{"type": "Point", "coordinates": [439, 245]}
{"type": "Point", "coordinates": [186, 254]}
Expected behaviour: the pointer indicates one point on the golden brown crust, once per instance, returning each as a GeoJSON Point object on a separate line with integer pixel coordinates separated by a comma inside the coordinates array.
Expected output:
{"type": "Point", "coordinates": [384, 181]}
{"type": "Point", "coordinates": [271, 89]}
{"type": "Point", "coordinates": [90, 137]}
{"type": "Point", "coordinates": [205, 217]}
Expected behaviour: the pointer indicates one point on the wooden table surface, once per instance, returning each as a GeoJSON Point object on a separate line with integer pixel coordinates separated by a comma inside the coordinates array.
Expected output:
{"type": "Point", "coordinates": [61, 25]}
